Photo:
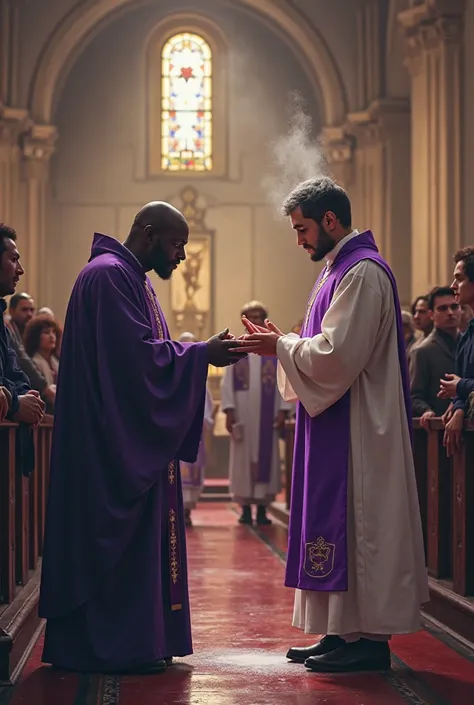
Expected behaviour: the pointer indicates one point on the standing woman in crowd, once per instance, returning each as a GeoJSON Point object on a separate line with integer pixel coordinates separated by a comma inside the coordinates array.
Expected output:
{"type": "Point", "coordinates": [42, 341]}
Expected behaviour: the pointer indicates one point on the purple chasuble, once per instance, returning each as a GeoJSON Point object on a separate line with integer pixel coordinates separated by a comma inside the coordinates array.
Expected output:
{"type": "Point", "coordinates": [129, 406]}
{"type": "Point", "coordinates": [268, 375]}
{"type": "Point", "coordinates": [317, 545]}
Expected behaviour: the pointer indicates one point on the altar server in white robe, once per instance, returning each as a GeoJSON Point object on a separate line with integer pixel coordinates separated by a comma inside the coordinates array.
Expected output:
{"type": "Point", "coordinates": [355, 552]}
{"type": "Point", "coordinates": [192, 474]}
{"type": "Point", "coordinates": [255, 417]}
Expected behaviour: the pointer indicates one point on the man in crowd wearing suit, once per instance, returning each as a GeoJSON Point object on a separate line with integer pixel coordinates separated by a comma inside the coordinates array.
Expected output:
{"type": "Point", "coordinates": [434, 358]}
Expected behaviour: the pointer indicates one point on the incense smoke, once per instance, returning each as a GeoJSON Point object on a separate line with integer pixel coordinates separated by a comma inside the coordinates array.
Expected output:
{"type": "Point", "coordinates": [297, 156]}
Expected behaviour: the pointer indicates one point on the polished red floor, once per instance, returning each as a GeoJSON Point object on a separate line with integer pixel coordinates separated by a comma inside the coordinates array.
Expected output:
{"type": "Point", "coordinates": [242, 628]}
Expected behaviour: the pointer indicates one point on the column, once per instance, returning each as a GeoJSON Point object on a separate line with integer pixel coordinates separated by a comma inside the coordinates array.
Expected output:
{"type": "Point", "coordinates": [434, 36]}
{"type": "Point", "coordinates": [13, 122]}
{"type": "Point", "coordinates": [381, 192]}
{"type": "Point", "coordinates": [339, 154]}
{"type": "Point", "coordinates": [38, 146]}
{"type": "Point", "coordinates": [9, 50]}
{"type": "Point", "coordinates": [370, 31]}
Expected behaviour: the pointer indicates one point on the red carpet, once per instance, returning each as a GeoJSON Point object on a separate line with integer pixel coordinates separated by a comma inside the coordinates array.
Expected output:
{"type": "Point", "coordinates": [242, 628]}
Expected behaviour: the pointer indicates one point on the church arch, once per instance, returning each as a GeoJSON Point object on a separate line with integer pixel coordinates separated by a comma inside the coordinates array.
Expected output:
{"type": "Point", "coordinates": [88, 18]}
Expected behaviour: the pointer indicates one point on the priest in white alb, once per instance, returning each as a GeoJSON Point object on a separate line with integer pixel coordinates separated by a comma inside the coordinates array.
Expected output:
{"type": "Point", "coordinates": [355, 553]}
{"type": "Point", "coordinates": [255, 416]}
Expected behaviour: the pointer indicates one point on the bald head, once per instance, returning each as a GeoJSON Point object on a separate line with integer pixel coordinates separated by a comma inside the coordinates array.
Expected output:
{"type": "Point", "coordinates": [158, 238]}
{"type": "Point", "coordinates": [187, 338]}
{"type": "Point", "coordinates": [160, 215]}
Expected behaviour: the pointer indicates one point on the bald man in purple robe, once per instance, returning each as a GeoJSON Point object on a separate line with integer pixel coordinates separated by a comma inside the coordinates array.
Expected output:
{"type": "Point", "coordinates": [129, 407]}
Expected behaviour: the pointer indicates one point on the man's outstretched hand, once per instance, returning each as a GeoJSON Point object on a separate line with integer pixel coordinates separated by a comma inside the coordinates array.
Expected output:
{"type": "Point", "coordinates": [223, 349]}
{"type": "Point", "coordinates": [261, 340]}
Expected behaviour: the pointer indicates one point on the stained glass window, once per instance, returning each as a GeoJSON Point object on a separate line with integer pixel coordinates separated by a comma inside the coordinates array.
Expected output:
{"type": "Point", "coordinates": [186, 104]}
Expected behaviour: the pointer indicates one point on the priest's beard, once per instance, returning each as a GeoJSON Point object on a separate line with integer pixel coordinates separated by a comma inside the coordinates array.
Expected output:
{"type": "Point", "coordinates": [161, 263]}
{"type": "Point", "coordinates": [323, 246]}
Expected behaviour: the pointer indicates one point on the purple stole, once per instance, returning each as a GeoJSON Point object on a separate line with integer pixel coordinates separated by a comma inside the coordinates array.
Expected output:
{"type": "Point", "coordinates": [317, 543]}
{"type": "Point", "coordinates": [161, 332]}
{"type": "Point", "coordinates": [241, 373]}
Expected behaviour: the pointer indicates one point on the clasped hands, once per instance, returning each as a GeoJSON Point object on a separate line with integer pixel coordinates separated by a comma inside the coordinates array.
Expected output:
{"type": "Point", "coordinates": [225, 349]}
{"type": "Point", "coordinates": [30, 410]}
{"type": "Point", "coordinates": [261, 340]}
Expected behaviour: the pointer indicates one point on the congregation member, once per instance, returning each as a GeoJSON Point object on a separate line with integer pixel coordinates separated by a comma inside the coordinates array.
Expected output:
{"type": "Point", "coordinates": [22, 310]}
{"type": "Point", "coordinates": [459, 387]}
{"type": "Point", "coordinates": [435, 356]}
{"type": "Point", "coordinates": [42, 339]}
{"type": "Point", "coordinates": [19, 403]}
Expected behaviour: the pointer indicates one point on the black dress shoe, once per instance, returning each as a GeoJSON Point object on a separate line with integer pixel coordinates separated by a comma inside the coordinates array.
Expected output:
{"type": "Point", "coordinates": [168, 661]}
{"type": "Point", "coordinates": [246, 516]}
{"type": "Point", "coordinates": [328, 643]}
{"type": "Point", "coordinates": [362, 655]}
{"type": "Point", "coordinates": [262, 519]}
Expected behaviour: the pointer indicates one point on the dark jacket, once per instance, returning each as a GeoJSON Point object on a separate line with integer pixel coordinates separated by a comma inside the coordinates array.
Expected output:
{"type": "Point", "coordinates": [37, 380]}
{"type": "Point", "coordinates": [17, 383]}
{"type": "Point", "coordinates": [431, 360]}
{"type": "Point", "coordinates": [465, 367]}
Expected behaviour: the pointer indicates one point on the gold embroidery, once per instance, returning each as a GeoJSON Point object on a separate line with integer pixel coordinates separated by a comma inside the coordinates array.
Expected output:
{"type": "Point", "coordinates": [171, 473]}
{"type": "Point", "coordinates": [173, 547]}
{"type": "Point", "coordinates": [312, 299]}
{"type": "Point", "coordinates": [319, 558]}
{"type": "Point", "coordinates": [152, 300]}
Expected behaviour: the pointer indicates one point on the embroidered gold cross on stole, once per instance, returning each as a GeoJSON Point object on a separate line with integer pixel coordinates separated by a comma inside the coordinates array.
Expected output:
{"type": "Point", "coordinates": [172, 518]}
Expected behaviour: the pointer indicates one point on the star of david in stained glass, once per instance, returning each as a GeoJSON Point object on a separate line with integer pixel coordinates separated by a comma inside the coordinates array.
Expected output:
{"type": "Point", "coordinates": [186, 107]}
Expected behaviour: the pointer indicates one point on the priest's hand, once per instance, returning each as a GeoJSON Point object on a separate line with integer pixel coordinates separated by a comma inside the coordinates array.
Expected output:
{"type": "Point", "coordinates": [224, 350]}
{"type": "Point", "coordinates": [31, 409]}
{"type": "Point", "coordinates": [448, 387]}
{"type": "Point", "coordinates": [5, 401]}
{"type": "Point", "coordinates": [453, 433]}
{"type": "Point", "coordinates": [269, 327]}
{"type": "Point", "coordinates": [261, 340]}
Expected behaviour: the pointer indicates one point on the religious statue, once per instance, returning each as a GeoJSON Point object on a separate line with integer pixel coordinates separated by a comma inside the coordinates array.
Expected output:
{"type": "Point", "coordinates": [191, 271]}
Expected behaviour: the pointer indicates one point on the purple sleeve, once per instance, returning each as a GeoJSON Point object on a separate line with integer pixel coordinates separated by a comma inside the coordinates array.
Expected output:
{"type": "Point", "coordinates": [153, 390]}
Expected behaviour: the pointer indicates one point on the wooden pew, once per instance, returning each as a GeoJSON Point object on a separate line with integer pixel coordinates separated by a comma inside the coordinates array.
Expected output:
{"type": "Point", "coordinates": [22, 513]}
{"type": "Point", "coordinates": [446, 497]}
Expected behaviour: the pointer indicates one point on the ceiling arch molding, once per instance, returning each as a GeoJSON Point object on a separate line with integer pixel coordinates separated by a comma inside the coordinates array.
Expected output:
{"type": "Point", "coordinates": [88, 18]}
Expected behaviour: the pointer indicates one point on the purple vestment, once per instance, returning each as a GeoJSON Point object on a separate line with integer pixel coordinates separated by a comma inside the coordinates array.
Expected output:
{"type": "Point", "coordinates": [317, 550]}
{"type": "Point", "coordinates": [129, 406]}
{"type": "Point", "coordinates": [268, 383]}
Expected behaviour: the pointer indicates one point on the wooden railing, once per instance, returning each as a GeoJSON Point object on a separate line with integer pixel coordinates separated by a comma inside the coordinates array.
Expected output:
{"type": "Point", "coordinates": [22, 516]}
{"type": "Point", "coordinates": [446, 497]}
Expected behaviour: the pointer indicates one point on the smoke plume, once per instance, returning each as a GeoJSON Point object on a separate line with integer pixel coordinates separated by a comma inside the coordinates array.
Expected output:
{"type": "Point", "coordinates": [297, 156]}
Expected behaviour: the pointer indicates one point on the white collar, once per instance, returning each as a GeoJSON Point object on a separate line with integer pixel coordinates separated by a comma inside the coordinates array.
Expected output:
{"type": "Point", "coordinates": [331, 256]}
